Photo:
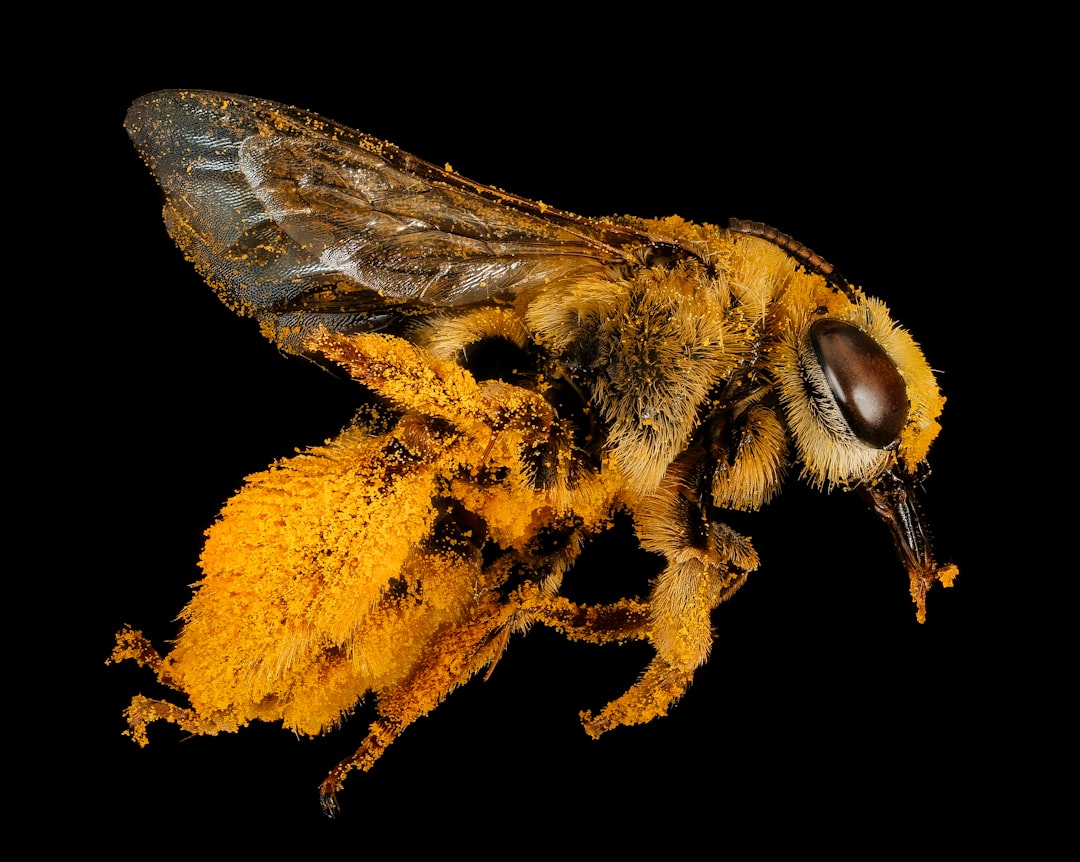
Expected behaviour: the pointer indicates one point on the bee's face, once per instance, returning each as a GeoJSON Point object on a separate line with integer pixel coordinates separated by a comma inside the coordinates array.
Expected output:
{"type": "Point", "coordinates": [852, 375]}
{"type": "Point", "coordinates": [858, 396]}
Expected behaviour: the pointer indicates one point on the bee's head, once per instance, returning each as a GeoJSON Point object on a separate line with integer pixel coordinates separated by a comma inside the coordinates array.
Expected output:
{"type": "Point", "coordinates": [858, 396]}
{"type": "Point", "coordinates": [854, 384]}
{"type": "Point", "coordinates": [861, 406]}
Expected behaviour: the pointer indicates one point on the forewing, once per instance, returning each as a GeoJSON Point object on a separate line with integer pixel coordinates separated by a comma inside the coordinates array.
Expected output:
{"type": "Point", "coordinates": [304, 224]}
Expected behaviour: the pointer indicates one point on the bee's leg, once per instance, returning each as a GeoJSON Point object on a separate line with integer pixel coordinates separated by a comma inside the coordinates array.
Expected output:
{"type": "Point", "coordinates": [707, 562]}
{"type": "Point", "coordinates": [681, 632]}
{"type": "Point", "coordinates": [650, 697]}
{"type": "Point", "coordinates": [450, 660]}
{"type": "Point", "coordinates": [626, 619]}
{"type": "Point", "coordinates": [133, 645]}
{"type": "Point", "coordinates": [143, 711]}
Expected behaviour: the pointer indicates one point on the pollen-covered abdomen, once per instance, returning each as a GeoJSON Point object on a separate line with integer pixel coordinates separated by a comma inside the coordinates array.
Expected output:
{"type": "Point", "coordinates": [319, 586]}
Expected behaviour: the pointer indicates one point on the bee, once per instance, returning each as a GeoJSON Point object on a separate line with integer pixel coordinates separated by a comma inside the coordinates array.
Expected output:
{"type": "Point", "coordinates": [530, 373]}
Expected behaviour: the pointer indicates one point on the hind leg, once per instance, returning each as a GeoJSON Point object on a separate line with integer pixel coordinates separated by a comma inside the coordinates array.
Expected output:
{"type": "Point", "coordinates": [133, 645]}
{"type": "Point", "coordinates": [450, 660]}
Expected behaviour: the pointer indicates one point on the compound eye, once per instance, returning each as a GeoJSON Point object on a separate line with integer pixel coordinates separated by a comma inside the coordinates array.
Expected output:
{"type": "Point", "coordinates": [864, 380]}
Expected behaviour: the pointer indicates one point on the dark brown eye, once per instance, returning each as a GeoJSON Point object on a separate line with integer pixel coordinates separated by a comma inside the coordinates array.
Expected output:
{"type": "Point", "coordinates": [868, 389]}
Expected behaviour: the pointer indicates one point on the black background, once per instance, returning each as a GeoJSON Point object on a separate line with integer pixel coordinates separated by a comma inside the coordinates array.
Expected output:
{"type": "Point", "coordinates": [827, 716]}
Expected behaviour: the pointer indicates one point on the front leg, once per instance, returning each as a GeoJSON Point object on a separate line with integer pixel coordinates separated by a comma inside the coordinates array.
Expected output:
{"type": "Point", "coordinates": [707, 562]}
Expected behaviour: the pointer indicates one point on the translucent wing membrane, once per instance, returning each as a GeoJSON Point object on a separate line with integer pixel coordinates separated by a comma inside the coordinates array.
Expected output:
{"type": "Point", "coordinates": [305, 224]}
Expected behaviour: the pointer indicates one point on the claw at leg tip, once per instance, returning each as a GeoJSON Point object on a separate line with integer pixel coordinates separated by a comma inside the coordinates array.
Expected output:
{"type": "Point", "coordinates": [329, 804]}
